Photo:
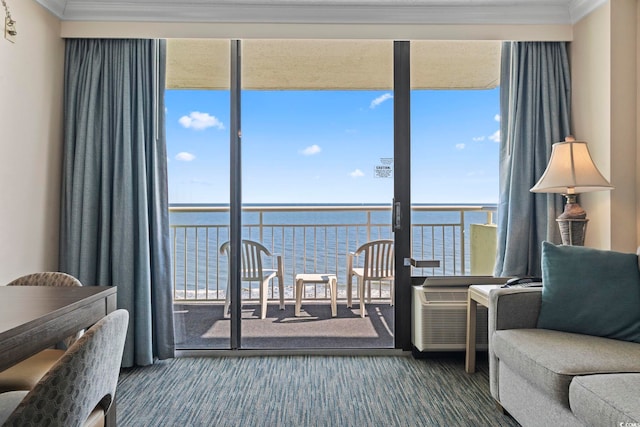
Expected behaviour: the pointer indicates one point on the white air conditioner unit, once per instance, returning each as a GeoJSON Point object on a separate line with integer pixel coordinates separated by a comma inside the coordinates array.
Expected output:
{"type": "Point", "coordinates": [439, 316]}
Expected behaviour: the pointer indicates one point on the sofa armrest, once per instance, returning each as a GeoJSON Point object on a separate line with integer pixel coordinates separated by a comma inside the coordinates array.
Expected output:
{"type": "Point", "coordinates": [514, 308]}
{"type": "Point", "coordinates": [510, 308]}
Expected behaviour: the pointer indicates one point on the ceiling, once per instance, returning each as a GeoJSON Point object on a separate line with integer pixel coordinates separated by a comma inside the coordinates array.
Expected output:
{"type": "Point", "coordinates": [332, 64]}
{"type": "Point", "coordinates": [326, 11]}
{"type": "Point", "coordinates": [329, 64]}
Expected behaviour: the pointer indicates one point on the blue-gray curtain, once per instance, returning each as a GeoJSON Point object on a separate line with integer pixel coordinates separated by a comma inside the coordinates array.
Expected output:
{"type": "Point", "coordinates": [535, 96]}
{"type": "Point", "coordinates": [114, 220]}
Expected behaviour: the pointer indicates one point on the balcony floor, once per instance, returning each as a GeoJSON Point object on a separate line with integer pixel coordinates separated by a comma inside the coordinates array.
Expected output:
{"type": "Point", "coordinates": [202, 326]}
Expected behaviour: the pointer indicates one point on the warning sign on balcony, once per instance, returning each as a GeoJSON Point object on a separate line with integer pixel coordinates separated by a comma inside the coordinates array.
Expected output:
{"type": "Point", "coordinates": [384, 169]}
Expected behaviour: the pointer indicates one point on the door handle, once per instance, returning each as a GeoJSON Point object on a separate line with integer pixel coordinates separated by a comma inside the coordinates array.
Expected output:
{"type": "Point", "coordinates": [397, 216]}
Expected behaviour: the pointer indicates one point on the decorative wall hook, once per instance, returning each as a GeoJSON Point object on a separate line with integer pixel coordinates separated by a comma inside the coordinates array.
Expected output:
{"type": "Point", "coordinates": [9, 24]}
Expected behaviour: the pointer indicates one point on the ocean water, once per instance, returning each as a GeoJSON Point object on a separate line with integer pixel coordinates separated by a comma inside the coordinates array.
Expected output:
{"type": "Point", "coordinates": [308, 241]}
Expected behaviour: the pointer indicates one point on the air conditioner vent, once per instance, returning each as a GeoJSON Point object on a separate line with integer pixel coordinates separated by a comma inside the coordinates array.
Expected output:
{"type": "Point", "coordinates": [444, 296]}
{"type": "Point", "coordinates": [440, 320]}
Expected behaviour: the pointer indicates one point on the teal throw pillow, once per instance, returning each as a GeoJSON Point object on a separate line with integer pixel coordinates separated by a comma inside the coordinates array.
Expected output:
{"type": "Point", "coordinates": [590, 291]}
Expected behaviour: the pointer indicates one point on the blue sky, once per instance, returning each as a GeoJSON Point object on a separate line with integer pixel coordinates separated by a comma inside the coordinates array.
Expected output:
{"type": "Point", "coordinates": [325, 146]}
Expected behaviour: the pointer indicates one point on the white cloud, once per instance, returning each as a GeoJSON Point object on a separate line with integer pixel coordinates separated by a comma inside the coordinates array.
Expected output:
{"type": "Point", "coordinates": [356, 173]}
{"type": "Point", "coordinates": [185, 157]}
{"type": "Point", "coordinates": [478, 138]}
{"type": "Point", "coordinates": [379, 100]}
{"type": "Point", "coordinates": [311, 150]}
{"type": "Point", "coordinates": [200, 121]}
{"type": "Point", "coordinates": [495, 137]}
{"type": "Point", "coordinates": [460, 147]}
{"type": "Point", "coordinates": [496, 117]}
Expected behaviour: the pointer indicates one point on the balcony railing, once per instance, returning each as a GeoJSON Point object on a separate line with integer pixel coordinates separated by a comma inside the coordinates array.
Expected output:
{"type": "Point", "coordinates": [312, 239]}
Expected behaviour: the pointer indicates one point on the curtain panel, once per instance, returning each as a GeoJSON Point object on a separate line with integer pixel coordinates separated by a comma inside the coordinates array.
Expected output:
{"type": "Point", "coordinates": [535, 96]}
{"type": "Point", "coordinates": [114, 220]}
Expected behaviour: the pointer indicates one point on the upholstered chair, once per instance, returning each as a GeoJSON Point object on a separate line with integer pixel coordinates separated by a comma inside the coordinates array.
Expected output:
{"type": "Point", "coordinates": [80, 387]}
{"type": "Point", "coordinates": [24, 375]}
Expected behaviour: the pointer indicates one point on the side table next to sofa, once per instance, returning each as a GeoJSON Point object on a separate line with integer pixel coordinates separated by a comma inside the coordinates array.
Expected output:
{"type": "Point", "coordinates": [478, 294]}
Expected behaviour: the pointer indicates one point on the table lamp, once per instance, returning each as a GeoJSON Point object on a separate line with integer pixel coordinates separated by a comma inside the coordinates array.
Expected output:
{"type": "Point", "coordinates": [571, 171]}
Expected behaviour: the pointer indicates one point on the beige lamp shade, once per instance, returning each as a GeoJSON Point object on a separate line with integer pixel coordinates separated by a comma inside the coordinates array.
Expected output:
{"type": "Point", "coordinates": [571, 171]}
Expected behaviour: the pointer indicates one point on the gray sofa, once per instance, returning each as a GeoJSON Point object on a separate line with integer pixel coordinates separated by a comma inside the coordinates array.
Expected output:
{"type": "Point", "coordinates": [545, 377]}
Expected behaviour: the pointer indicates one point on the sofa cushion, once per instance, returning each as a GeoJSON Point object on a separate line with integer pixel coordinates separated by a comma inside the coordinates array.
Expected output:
{"type": "Point", "coordinates": [590, 291]}
{"type": "Point", "coordinates": [550, 359]}
{"type": "Point", "coordinates": [611, 399]}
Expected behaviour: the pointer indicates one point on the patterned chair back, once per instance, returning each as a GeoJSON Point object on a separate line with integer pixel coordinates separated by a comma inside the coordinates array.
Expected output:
{"type": "Point", "coordinates": [50, 278]}
{"type": "Point", "coordinates": [47, 278]}
{"type": "Point", "coordinates": [83, 379]}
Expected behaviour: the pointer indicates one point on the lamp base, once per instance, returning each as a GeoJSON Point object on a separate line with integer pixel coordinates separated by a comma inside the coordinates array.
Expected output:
{"type": "Point", "coordinates": [572, 222]}
{"type": "Point", "coordinates": [572, 231]}
{"type": "Point", "coordinates": [572, 210]}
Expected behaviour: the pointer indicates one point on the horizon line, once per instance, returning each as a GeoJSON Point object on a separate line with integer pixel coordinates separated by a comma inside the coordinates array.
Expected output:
{"type": "Point", "coordinates": [331, 204]}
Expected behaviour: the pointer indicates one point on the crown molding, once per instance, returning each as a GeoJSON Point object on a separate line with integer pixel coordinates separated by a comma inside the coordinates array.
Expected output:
{"type": "Point", "coordinates": [54, 6]}
{"type": "Point", "coordinates": [578, 9]}
{"type": "Point", "coordinates": [318, 12]}
{"type": "Point", "coordinates": [568, 12]}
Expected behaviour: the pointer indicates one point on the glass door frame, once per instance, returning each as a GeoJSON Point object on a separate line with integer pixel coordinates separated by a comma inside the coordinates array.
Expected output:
{"type": "Point", "coordinates": [402, 193]}
{"type": "Point", "coordinates": [235, 202]}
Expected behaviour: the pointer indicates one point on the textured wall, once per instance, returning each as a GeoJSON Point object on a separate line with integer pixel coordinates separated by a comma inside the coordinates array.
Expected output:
{"type": "Point", "coordinates": [604, 98]}
{"type": "Point", "coordinates": [31, 80]}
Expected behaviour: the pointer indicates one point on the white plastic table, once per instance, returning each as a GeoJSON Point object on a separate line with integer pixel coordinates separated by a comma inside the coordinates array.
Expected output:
{"type": "Point", "coordinates": [329, 279]}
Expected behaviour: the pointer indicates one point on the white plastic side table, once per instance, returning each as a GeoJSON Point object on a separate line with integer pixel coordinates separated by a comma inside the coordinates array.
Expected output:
{"type": "Point", "coordinates": [329, 279]}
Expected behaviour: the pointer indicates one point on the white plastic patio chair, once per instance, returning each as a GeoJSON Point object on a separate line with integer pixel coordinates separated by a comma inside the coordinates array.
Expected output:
{"type": "Point", "coordinates": [378, 266]}
{"type": "Point", "coordinates": [251, 270]}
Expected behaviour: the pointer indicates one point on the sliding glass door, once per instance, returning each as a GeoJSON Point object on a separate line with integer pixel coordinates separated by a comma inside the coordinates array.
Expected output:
{"type": "Point", "coordinates": [317, 183]}
{"type": "Point", "coordinates": [198, 125]}
{"type": "Point", "coordinates": [455, 140]}
{"type": "Point", "coordinates": [287, 144]}
{"type": "Point", "coordinates": [307, 150]}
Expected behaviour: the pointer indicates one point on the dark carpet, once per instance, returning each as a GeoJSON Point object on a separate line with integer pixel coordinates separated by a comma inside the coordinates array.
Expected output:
{"type": "Point", "coordinates": [308, 391]}
{"type": "Point", "coordinates": [202, 326]}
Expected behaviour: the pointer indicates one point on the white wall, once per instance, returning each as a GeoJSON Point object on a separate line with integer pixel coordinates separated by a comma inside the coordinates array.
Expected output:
{"type": "Point", "coordinates": [590, 78]}
{"type": "Point", "coordinates": [604, 98]}
{"type": "Point", "coordinates": [623, 125]}
{"type": "Point", "coordinates": [31, 81]}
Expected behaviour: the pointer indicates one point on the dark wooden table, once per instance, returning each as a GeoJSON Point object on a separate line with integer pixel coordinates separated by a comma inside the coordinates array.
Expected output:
{"type": "Point", "coordinates": [33, 318]}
